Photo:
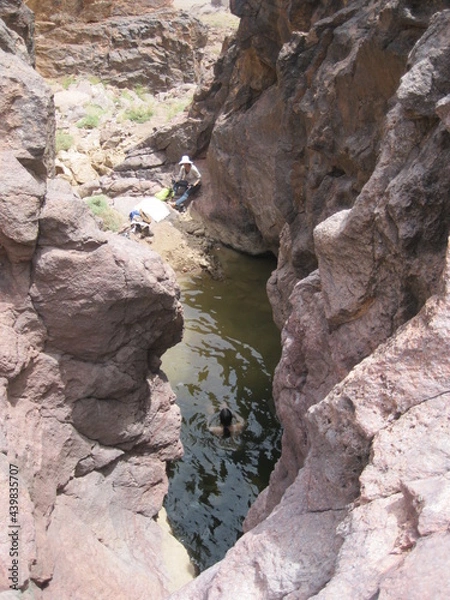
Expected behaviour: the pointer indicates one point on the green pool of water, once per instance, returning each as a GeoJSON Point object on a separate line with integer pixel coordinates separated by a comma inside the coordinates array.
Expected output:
{"type": "Point", "coordinates": [228, 355]}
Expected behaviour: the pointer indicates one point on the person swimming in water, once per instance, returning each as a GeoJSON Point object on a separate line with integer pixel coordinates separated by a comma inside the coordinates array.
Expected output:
{"type": "Point", "coordinates": [225, 417]}
{"type": "Point", "coordinates": [227, 428]}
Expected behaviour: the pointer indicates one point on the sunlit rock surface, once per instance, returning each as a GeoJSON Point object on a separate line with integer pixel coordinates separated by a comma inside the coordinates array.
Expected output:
{"type": "Point", "coordinates": [355, 507]}
{"type": "Point", "coordinates": [124, 43]}
{"type": "Point", "coordinates": [87, 419]}
{"type": "Point", "coordinates": [327, 140]}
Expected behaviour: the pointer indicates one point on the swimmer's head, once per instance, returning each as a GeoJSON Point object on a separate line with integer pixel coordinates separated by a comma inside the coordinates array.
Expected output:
{"type": "Point", "coordinates": [226, 416]}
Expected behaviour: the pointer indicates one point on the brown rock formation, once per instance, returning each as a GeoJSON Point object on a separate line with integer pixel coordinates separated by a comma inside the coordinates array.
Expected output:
{"type": "Point", "coordinates": [87, 420]}
{"type": "Point", "coordinates": [19, 19]}
{"type": "Point", "coordinates": [125, 43]}
{"type": "Point", "coordinates": [298, 96]}
{"type": "Point", "coordinates": [93, 10]}
{"type": "Point", "coordinates": [355, 507]}
{"type": "Point", "coordinates": [328, 133]}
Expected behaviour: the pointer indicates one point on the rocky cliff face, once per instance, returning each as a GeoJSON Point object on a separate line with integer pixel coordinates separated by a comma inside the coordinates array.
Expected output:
{"type": "Point", "coordinates": [339, 121]}
{"type": "Point", "coordinates": [92, 10]}
{"type": "Point", "coordinates": [123, 43]}
{"type": "Point", "coordinates": [20, 20]}
{"type": "Point", "coordinates": [87, 420]}
{"type": "Point", "coordinates": [327, 135]}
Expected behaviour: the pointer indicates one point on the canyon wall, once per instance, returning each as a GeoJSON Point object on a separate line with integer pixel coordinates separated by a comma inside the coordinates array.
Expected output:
{"type": "Point", "coordinates": [92, 10]}
{"type": "Point", "coordinates": [123, 43]}
{"type": "Point", "coordinates": [330, 146]}
{"type": "Point", "coordinates": [87, 419]}
{"type": "Point", "coordinates": [326, 131]}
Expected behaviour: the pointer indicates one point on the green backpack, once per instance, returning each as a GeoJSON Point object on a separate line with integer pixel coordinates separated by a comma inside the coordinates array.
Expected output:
{"type": "Point", "coordinates": [164, 194]}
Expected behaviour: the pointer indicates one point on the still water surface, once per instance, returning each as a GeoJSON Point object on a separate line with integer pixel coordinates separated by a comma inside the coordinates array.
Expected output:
{"type": "Point", "coordinates": [228, 355]}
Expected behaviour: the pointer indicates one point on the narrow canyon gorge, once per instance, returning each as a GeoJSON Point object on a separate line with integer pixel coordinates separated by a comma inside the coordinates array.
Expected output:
{"type": "Point", "coordinates": [323, 130]}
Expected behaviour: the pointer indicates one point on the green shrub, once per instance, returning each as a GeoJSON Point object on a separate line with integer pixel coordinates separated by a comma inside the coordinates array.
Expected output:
{"type": "Point", "coordinates": [111, 219]}
{"type": "Point", "coordinates": [126, 95]}
{"type": "Point", "coordinates": [67, 81]}
{"type": "Point", "coordinates": [175, 107]}
{"type": "Point", "coordinates": [94, 80]}
{"type": "Point", "coordinates": [89, 122]}
{"type": "Point", "coordinates": [92, 118]}
{"type": "Point", "coordinates": [220, 20]}
{"type": "Point", "coordinates": [139, 114]}
{"type": "Point", "coordinates": [140, 90]}
{"type": "Point", "coordinates": [63, 140]}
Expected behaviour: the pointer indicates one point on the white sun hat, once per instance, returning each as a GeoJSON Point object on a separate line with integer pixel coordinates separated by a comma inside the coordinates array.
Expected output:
{"type": "Point", "coordinates": [185, 160]}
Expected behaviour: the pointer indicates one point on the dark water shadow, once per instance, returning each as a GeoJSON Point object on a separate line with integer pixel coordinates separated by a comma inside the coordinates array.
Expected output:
{"type": "Point", "coordinates": [228, 356]}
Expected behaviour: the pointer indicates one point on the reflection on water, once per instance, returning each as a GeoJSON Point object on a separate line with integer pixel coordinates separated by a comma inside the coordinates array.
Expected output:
{"type": "Point", "coordinates": [228, 355]}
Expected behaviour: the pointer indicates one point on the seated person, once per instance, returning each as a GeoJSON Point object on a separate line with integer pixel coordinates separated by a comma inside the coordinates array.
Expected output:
{"type": "Point", "coordinates": [189, 174]}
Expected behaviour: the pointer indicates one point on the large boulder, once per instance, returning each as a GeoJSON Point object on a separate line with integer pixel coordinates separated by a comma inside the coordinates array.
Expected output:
{"type": "Point", "coordinates": [28, 124]}
{"type": "Point", "coordinates": [84, 405]}
{"type": "Point", "coordinates": [19, 20]}
{"type": "Point", "coordinates": [87, 317]}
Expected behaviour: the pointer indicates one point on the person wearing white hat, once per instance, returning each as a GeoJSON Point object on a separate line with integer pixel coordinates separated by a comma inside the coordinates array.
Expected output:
{"type": "Point", "coordinates": [190, 177]}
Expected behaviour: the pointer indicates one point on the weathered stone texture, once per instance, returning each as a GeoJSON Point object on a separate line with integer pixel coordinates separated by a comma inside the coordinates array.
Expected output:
{"type": "Point", "coordinates": [120, 43]}
{"type": "Point", "coordinates": [85, 413]}
{"type": "Point", "coordinates": [327, 129]}
{"type": "Point", "coordinates": [384, 427]}
{"type": "Point", "coordinates": [80, 403]}
{"type": "Point", "coordinates": [292, 121]}
{"type": "Point", "coordinates": [19, 19]}
{"type": "Point", "coordinates": [362, 386]}
{"type": "Point", "coordinates": [93, 10]}
{"type": "Point", "coordinates": [378, 263]}
{"type": "Point", "coordinates": [21, 200]}
{"type": "Point", "coordinates": [26, 127]}
{"type": "Point", "coordinates": [139, 288]}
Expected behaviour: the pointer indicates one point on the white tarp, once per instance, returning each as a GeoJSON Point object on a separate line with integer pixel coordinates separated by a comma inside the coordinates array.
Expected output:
{"type": "Point", "coordinates": [153, 208]}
